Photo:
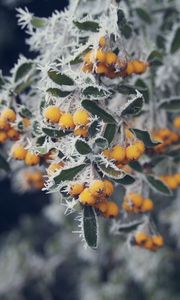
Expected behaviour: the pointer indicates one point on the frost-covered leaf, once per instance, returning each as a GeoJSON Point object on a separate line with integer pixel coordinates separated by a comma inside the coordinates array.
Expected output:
{"type": "Point", "coordinates": [4, 164]}
{"type": "Point", "coordinates": [142, 88]}
{"type": "Point", "coordinates": [59, 78]}
{"type": "Point", "coordinates": [37, 128]}
{"type": "Point", "coordinates": [68, 174]}
{"type": "Point", "coordinates": [95, 110]}
{"type": "Point", "coordinates": [82, 147]}
{"type": "Point", "coordinates": [90, 228]}
{"type": "Point", "coordinates": [143, 15]}
{"type": "Point", "coordinates": [158, 185]}
{"type": "Point", "coordinates": [23, 70]}
{"type": "Point", "coordinates": [58, 93]}
{"type": "Point", "coordinates": [25, 112]}
{"type": "Point", "coordinates": [126, 180]}
{"type": "Point", "coordinates": [38, 22]}
{"type": "Point", "coordinates": [126, 89]}
{"type": "Point", "coordinates": [109, 132]}
{"type": "Point", "coordinates": [87, 26]}
{"type": "Point", "coordinates": [171, 105]}
{"type": "Point", "coordinates": [129, 226]}
{"type": "Point", "coordinates": [144, 136]}
{"type": "Point", "coordinates": [54, 133]}
{"type": "Point", "coordinates": [155, 58]}
{"type": "Point", "coordinates": [40, 140]}
{"type": "Point", "coordinates": [109, 171]}
{"type": "Point", "coordinates": [93, 128]}
{"type": "Point", "coordinates": [176, 41]}
{"type": "Point", "coordinates": [101, 142]}
{"type": "Point", "coordinates": [135, 165]}
{"type": "Point", "coordinates": [94, 92]}
{"type": "Point", "coordinates": [123, 25]}
{"type": "Point", "coordinates": [133, 107]}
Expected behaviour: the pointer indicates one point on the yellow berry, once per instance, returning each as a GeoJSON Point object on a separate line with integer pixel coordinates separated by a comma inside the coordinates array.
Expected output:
{"type": "Point", "coordinates": [140, 146]}
{"type": "Point", "coordinates": [102, 42]}
{"type": "Point", "coordinates": [3, 136]}
{"type": "Point", "coordinates": [139, 67]}
{"type": "Point", "coordinates": [13, 134]}
{"type": "Point", "coordinates": [88, 57]}
{"type": "Point", "coordinates": [136, 199]}
{"type": "Point", "coordinates": [132, 152]}
{"type": "Point", "coordinates": [86, 197]}
{"type": "Point", "coordinates": [18, 151]}
{"type": "Point", "coordinates": [177, 178]}
{"type": "Point", "coordinates": [130, 68]}
{"type": "Point", "coordinates": [128, 134]}
{"type": "Point", "coordinates": [81, 117]}
{"type": "Point", "coordinates": [8, 114]}
{"type": "Point", "coordinates": [112, 210]}
{"type": "Point", "coordinates": [101, 69]}
{"type": "Point", "coordinates": [171, 182]}
{"type": "Point", "coordinates": [31, 159]}
{"type": "Point", "coordinates": [118, 153]}
{"type": "Point", "coordinates": [4, 124]}
{"type": "Point", "coordinates": [66, 121]}
{"type": "Point", "coordinates": [97, 188]}
{"type": "Point", "coordinates": [140, 237]}
{"type": "Point", "coordinates": [111, 58]}
{"type": "Point", "coordinates": [81, 131]}
{"type": "Point", "coordinates": [53, 167]}
{"type": "Point", "coordinates": [87, 68]}
{"type": "Point", "coordinates": [109, 187]}
{"type": "Point", "coordinates": [106, 153]}
{"type": "Point", "coordinates": [100, 56]}
{"type": "Point", "coordinates": [52, 113]}
{"type": "Point", "coordinates": [176, 122]}
{"type": "Point", "coordinates": [158, 240]}
{"type": "Point", "coordinates": [76, 189]}
{"type": "Point", "coordinates": [102, 206]}
{"type": "Point", "coordinates": [148, 244]}
{"type": "Point", "coordinates": [147, 205]}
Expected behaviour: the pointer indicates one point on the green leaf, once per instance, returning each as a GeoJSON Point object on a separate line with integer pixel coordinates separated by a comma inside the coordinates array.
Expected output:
{"type": "Point", "coordinates": [38, 22]}
{"type": "Point", "coordinates": [23, 70]}
{"type": "Point", "coordinates": [90, 229]}
{"type": "Point", "coordinates": [20, 88]}
{"type": "Point", "coordinates": [109, 132]}
{"type": "Point", "coordinates": [142, 88]}
{"type": "Point", "coordinates": [4, 164]}
{"type": "Point", "coordinates": [37, 128]}
{"type": "Point", "coordinates": [87, 26]}
{"type": "Point", "coordinates": [136, 166]}
{"type": "Point", "coordinates": [93, 128]}
{"type": "Point", "coordinates": [68, 174]}
{"type": "Point", "coordinates": [95, 110]}
{"type": "Point", "coordinates": [129, 226]}
{"type": "Point", "coordinates": [133, 107]}
{"type": "Point", "coordinates": [58, 93]}
{"type": "Point", "coordinates": [101, 142]}
{"type": "Point", "coordinates": [171, 105]}
{"type": "Point", "coordinates": [25, 112]}
{"type": "Point", "coordinates": [126, 180]}
{"type": "Point", "coordinates": [82, 147]}
{"type": "Point", "coordinates": [94, 92]}
{"type": "Point", "coordinates": [40, 140]}
{"type": "Point", "coordinates": [109, 170]}
{"type": "Point", "coordinates": [54, 133]}
{"type": "Point", "coordinates": [155, 58]}
{"type": "Point", "coordinates": [126, 89]}
{"type": "Point", "coordinates": [158, 185]}
{"type": "Point", "coordinates": [176, 41]}
{"type": "Point", "coordinates": [143, 15]}
{"type": "Point", "coordinates": [59, 78]}
{"type": "Point", "coordinates": [144, 136]}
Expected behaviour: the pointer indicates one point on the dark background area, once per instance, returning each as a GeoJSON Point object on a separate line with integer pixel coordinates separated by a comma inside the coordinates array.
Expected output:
{"type": "Point", "coordinates": [12, 42]}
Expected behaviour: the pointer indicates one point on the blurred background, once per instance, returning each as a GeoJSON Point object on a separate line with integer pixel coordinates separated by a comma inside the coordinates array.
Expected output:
{"type": "Point", "coordinates": [40, 258]}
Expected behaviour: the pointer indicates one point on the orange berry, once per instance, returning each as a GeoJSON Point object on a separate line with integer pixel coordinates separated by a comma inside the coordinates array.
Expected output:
{"type": "Point", "coordinates": [109, 187]}
{"type": "Point", "coordinates": [177, 178]}
{"type": "Point", "coordinates": [147, 205]}
{"type": "Point", "coordinates": [3, 136]}
{"type": "Point", "coordinates": [148, 244]}
{"type": "Point", "coordinates": [81, 131]}
{"type": "Point", "coordinates": [130, 68]}
{"type": "Point", "coordinates": [88, 57]}
{"type": "Point", "coordinates": [136, 199]}
{"type": "Point", "coordinates": [118, 153]}
{"type": "Point", "coordinates": [76, 189]}
{"type": "Point", "coordinates": [176, 122]}
{"type": "Point", "coordinates": [52, 113]}
{"type": "Point", "coordinates": [87, 68]}
{"type": "Point", "coordinates": [102, 42]}
{"type": "Point", "coordinates": [86, 197]}
{"type": "Point", "coordinates": [139, 66]}
{"type": "Point", "coordinates": [100, 56]}
{"type": "Point", "coordinates": [8, 114]}
{"type": "Point", "coordinates": [106, 153]}
{"type": "Point", "coordinates": [26, 122]}
{"type": "Point", "coordinates": [101, 69]}
{"type": "Point", "coordinates": [111, 58]}
{"type": "Point", "coordinates": [53, 167]}
{"type": "Point", "coordinates": [13, 134]}
{"type": "Point", "coordinates": [171, 182]}
{"type": "Point", "coordinates": [31, 159]}
{"type": "Point", "coordinates": [112, 210]}
{"type": "Point", "coordinates": [66, 121]}
{"type": "Point", "coordinates": [140, 146]}
{"type": "Point", "coordinates": [140, 237]}
{"type": "Point", "coordinates": [102, 206]}
{"type": "Point", "coordinates": [132, 152]}
{"type": "Point", "coordinates": [18, 151]}
{"type": "Point", "coordinates": [4, 125]}
{"type": "Point", "coordinates": [158, 240]}
{"type": "Point", "coordinates": [81, 117]}
{"type": "Point", "coordinates": [97, 188]}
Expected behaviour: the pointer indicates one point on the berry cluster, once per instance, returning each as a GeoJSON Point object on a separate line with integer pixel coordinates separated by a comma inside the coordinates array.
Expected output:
{"type": "Point", "coordinates": [33, 179]}
{"type": "Point", "coordinates": [135, 203]}
{"type": "Point", "coordinates": [19, 152]}
{"type": "Point", "coordinates": [147, 241]}
{"type": "Point", "coordinates": [172, 181]}
{"type": "Point", "coordinates": [167, 137]}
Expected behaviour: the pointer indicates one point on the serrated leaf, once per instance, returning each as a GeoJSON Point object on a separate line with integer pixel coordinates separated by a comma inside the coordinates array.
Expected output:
{"type": "Point", "coordinates": [176, 41]}
{"type": "Point", "coordinates": [158, 185]}
{"type": "Point", "coordinates": [135, 165]}
{"type": "Point", "coordinates": [54, 133]}
{"type": "Point", "coordinates": [87, 26]}
{"type": "Point", "coordinates": [94, 92]}
{"type": "Point", "coordinates": [144, 136]}
{"type": "Point", "coordinates": [171, 105]}
{"type": "Point", "coordinates": [23, 70]}
{"type": "Point", "coordinates": [59, 78]}
{"type": "Point", "coordinates": [95, 110]}
{"type": "Point", "coordinates": [143, 15]}
{"type": "Point", "coordinates": [90, 229]}
{"type": "Point", "coordinates": [82, 147]}
{"type": "Point", "coordinates": [4, 164]}
{"type": "Point", "coordinates": [109, 132]}
{"type": "Point", "coordinates": [38, 22]}
{"type": "Point", "coordinates": [68, 174]}
{"type": "Point", "coordinates": [126, 180]}
{"type": "Point", "coordinates": [133, 107]}
{"type": "Point", "coordinates": [58, 93]}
